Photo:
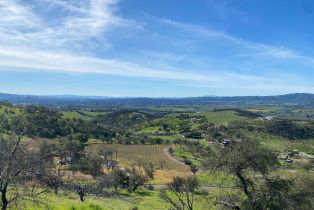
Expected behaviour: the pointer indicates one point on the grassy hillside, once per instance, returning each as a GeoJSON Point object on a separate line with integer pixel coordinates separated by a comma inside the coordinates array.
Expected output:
{"type": "Point", "coordinates": [81, 114]}
{"type": "Point", "coordinates": [222, 117]}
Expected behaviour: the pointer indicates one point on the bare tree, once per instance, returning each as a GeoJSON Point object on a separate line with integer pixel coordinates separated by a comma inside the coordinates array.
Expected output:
{"type": "Point", "coordinates": [49, 171]}
{"type": "Point", "coordinates": [82, 189]}
{"type": "Point", "coordinates": [140, 162]}
{"type": "Point", "coordinates": [107, 159]}
{"type": "Point", "coordinates": [180, 193]}
{"type": "Point", "coordinates": [86, 188]}
{"type": "Point", "coordinates": [51, 180]}
{"type": "Point", "coordinates": [19, 161]}
{"type": "Point", "coordinates": [161, 164]}
{"type": "Point", "coordinates": [149, 170]}
{"type": "Point", "coordinates": [135, 179]}
{"type": "Point", "coordinates": [18, 170]}
{"type": "Point", "coordinates": [193, 168]}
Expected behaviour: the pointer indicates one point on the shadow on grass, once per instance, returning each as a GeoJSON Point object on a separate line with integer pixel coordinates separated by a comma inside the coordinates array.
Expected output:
{"type": "Point", "coordinates": [143, 193]}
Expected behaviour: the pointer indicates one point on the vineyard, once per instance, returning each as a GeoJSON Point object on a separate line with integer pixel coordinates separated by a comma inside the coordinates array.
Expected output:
{"type": "Point", "coordinates": [129, 155]}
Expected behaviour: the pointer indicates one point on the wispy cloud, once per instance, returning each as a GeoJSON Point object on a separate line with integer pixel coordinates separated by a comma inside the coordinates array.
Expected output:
{"type": "Point", "coordinates": [90, 20]}
{"type": "Point", "coordinates": [17, 18]}
{"type": "Point", "coordinates": [260, 49]}
{"type": "Point", "coordinates": [86, 20]}
{"type": "Point", "coordinates": [66, 62]}
{"type": "Point", "coordinates": [70, 6]}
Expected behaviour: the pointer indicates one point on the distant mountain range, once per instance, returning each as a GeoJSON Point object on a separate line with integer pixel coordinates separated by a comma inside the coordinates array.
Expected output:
{"type": "Point", "coordinates": [72, 101]}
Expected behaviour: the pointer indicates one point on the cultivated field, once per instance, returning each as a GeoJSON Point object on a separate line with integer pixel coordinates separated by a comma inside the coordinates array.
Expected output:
{"type": "Point", "coordinates": [129, 155]}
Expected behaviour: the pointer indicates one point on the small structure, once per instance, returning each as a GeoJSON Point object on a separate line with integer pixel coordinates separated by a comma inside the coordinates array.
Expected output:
{"type": "Point", "coordinates": [283, 157]}
{"type": "Point", "coordinates": [289, 161]}
{"type": "Point", "coordinates": [267, 118]}
{"type": "Point", "coordinates": [226, 142]}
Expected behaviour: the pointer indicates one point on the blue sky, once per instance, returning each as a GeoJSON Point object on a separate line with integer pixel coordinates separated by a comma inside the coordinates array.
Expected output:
{"type": "Point", "coordinates": [156, 48]}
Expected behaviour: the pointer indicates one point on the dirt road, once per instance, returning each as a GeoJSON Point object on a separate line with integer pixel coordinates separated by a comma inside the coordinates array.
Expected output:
{"type": "Point", "coordinates": [167, 152]}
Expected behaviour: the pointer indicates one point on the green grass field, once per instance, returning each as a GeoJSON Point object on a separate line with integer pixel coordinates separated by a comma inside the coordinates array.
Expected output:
{"type": "Point", "coordinates": [182, 151]}
{"type": "Point", "coordinates": [9, 110]}
{"type": "Point", "coordinates": [152, 129]}
{"type": "Point", "coordinates": [222, 117]}
{"type": "Point", "coordinates": [84, 115]}
{"type": "Point", "coordinates": [143, 200]}
{"type": "Point", "coordinates": [280, 144]}
{"type": "Point", "coordinates": [218, 117]}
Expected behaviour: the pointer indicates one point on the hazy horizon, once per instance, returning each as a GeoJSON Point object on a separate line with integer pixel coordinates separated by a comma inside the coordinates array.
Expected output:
{"type": "Point", "coordinates": [106, 96]}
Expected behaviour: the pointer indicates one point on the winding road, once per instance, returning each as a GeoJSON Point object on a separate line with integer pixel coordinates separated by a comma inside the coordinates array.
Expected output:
{"type": "Point", "coordinates": [168, 154]}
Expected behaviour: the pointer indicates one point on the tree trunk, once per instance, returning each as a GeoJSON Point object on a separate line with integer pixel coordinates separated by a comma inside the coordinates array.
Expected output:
{"type": "Point", "coordinates": [116, 153]}
{"type": "Point", "coordinates": [4, 199]}
{"type": "Point", "coordinates": [82, 197]}
{"type": "Point", "coordinates": [56, 189]}
{"type": "Point", "coordinates": [245, 186]}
